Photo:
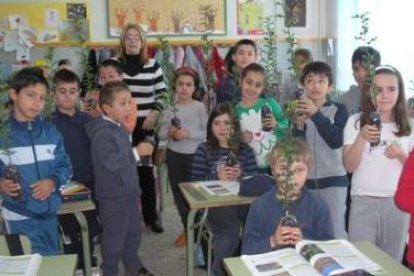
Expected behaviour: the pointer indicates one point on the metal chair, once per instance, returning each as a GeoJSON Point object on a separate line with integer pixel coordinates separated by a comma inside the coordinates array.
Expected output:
{"type": "Point", "coordinates": [14, 244]}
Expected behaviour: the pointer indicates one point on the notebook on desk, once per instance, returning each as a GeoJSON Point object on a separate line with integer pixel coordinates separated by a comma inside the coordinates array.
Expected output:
{"type": "Point", "coordinates": [73, 191]}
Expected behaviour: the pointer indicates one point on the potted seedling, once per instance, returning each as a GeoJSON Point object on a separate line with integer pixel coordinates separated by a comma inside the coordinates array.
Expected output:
{"type": "Point", "coordinates": [286, 193]}
{"type": "Point", "coordinates": [10, 171]}
{"type": "Point", "coordinates": [234, 142]}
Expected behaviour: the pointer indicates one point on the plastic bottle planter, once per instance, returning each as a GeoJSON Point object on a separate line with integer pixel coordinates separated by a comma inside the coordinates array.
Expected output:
{"type": "Point", "coordinates": [176, 122]}
{"type": "Point", "coordinates": [92, 103]}
{"type": "Point", "coordinates": [266, 113]}
{"type": "Point", "coordinates": [289, 220]}
{"type": "Point", "coordinates": [146, 160]}
{"type": "Point", "coordinates": [375, 120]}
{"type": "Point", "coordinates": [11, 172]}
{"type": "Point", "coordinates": [231, 160]}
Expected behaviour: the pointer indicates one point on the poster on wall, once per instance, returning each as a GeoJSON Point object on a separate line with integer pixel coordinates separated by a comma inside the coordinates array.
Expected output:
{"type": "Point", "coordinates": [49, 21]}
{"type": "Point", "coordinates": [295, 13]}
{"type": "Point", "coordinates": [250, 14]}
{"type": "Point", "coordinates": [171, 18]}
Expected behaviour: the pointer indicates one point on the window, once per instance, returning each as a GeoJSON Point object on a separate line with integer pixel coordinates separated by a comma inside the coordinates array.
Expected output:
{"type": "Point", "coordinates": [390, 22]}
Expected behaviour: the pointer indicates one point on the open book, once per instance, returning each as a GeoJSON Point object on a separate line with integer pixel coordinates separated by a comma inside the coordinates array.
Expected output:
{"type": "Point", "coordinates": [335, 257]}
{"type": "Point", "coordinates": [220, 187]}
{"type": "Point", "coordinates": [24, 265]}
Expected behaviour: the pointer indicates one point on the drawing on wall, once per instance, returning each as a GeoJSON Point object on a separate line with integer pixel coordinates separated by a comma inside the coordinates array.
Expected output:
{"type": "Point", "coordinates": [74, 30]}
{"type": "Point", "coordinates": [249, 17]}
{"type": "Point", "coordinates": [76, 11]}
{"type": "Point", "coordinates": [52, 18]}
{"type": "Point", "coordinates": [172, 18]}
{"type": "Point", "coordinates": [295, 13]}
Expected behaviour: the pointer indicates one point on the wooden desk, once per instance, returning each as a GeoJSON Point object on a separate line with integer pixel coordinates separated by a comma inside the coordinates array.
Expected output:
{"type": "Point", "coordinates": [62, 265]}
{"type": "Point", "coordinates": [235, 266]}
{"type": "Point", "coordinates": [76, 208]}
{"type": "Point", "coordinates": [198, 199]}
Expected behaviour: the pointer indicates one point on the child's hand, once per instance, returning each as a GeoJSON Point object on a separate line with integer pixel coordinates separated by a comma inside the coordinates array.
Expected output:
{"type": "Point", "coordinates": [269, 122]}
{"type": "Point", "coordinates": [246, 136]}
{"type": "Point", "coordinates": [42, 189]}
{"type": "Point", "coordinates": [171, 132]}
{"type": "Point", "coordinates": [306, 106]}
{"type": "Point", "coordinates": [181, 134]}
{"type": "Point", "coordinates": [144, 148]}
{"type": "Point", "coordinates": [370, 133]}
{"type": "Point", "coordinates": [150, 120]}
{"type": "Point", "coordinates": [236, 171]}
{"type": "Point", "coordinates": [395, 151]}
{"type": "Point", "coordinates": [285, 235]}
{"type": "Point", "coordinates": [299, 120]}
{"type": "Point", "coordinates": [225, 173]}
{"type": "Point", "coordinates": [9, 187]}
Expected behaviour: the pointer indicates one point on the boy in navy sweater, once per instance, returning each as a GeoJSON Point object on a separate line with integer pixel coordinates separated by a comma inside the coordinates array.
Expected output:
{"type": "Point", "coordinates": [71, 123]}
{"type": "Point", "coordinates": [263, 232]}
{"type": "Point", "coordinates": [114, 163]}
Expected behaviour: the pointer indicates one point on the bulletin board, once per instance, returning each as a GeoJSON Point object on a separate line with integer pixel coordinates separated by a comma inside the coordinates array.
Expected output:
{"type": "Point", "coordinates": [47, 21]}
{"type": "Point", "coordinates": [172, 18]}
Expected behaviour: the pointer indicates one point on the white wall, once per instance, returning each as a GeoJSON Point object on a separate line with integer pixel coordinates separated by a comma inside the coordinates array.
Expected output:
{"type": "Point", "coordinates": [313, 36]}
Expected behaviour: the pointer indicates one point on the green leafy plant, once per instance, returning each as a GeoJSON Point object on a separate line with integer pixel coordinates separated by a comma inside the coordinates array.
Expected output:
{"type": "Point", "coordinates": [269, 49]}
{"type": "Point", "coordinates": [4, 119]}
{"type": "Point", "coordinates": [49, 101]}
{"type": "Point", "coordinates": [168, 99]}
{"type": "Point", "coordinates": [286, 184]}
{"type": "Point", "coordinates": [286, 189]}
{"type": "Point", "coordinates": [364, 37]}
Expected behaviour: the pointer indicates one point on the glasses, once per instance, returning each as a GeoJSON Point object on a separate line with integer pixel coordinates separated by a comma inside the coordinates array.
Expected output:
{"type": "Point", "coordinates": [133, 37]}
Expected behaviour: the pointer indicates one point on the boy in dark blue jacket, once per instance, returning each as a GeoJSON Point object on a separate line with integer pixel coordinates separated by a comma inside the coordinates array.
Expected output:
{"type": "Point", "coordinates": [263, 231]}
{"type": "Point", "coordinates": [71, 123]}
{"type": "Point", "coordinates": [36, 147]}
{"type": "Point", "coordinates": [114, 163]}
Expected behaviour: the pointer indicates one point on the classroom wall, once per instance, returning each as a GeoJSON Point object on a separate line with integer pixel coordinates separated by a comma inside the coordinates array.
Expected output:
{"type": "Point", "coordinates": [314, 36]}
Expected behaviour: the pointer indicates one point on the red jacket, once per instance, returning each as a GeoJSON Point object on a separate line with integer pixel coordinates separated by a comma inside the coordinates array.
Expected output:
{"type": "Point", "coordinates": [404, 198]}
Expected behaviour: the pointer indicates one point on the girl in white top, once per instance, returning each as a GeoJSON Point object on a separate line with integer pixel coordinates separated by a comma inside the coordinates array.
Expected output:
{"type": "Point", "coordinates": [377, 168]}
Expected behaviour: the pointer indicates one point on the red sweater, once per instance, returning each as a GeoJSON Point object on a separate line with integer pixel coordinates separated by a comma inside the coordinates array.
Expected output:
{"type": "Point", "coordinates": [404, 198]}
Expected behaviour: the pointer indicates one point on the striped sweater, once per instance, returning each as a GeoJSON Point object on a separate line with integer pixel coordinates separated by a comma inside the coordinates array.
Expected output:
{"type": "Point", "coordinates": [206, 162]}
{"type": "Point", "coordinates": [147, 86]}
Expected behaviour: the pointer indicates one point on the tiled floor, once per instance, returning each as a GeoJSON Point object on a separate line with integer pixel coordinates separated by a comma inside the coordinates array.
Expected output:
{"type": "Point", "coordinates": [158, 252]}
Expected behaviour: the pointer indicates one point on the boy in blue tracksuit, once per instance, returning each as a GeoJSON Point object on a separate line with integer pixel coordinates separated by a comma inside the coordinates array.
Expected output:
{"type": "Point", "coordinates": [36, 148]}
{"type": "Point", "coordinates": [263, 231]}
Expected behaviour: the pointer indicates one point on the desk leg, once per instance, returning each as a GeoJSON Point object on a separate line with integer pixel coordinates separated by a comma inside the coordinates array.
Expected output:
{"type": "Point", "coordinates": [190, 242]}
{"type": "Point", "coordinates": [85, 242]}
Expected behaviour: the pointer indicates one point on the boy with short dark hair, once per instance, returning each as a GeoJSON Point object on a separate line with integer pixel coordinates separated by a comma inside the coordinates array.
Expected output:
{"type": "Point", "coordinates": [363, 58]}
{"type": "Point", "coordinates": [116, 178]}
{"type": "Point", "coordinates": [263, 231]}
{"type": "Point", "coordinates": [30, 203]}
{"type": "Point", "coordinates": [71, 123]}
{"type": "Point", "coordinates": [108, 71]}
{"type": "Point", "coordinates": [321, 123]}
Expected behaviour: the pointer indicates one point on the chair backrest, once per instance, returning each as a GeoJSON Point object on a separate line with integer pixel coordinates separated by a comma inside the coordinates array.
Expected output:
{"type": "Point", "coordinates": [11, 245]}
{"type": "Point", "coordinates": [256, 185]}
